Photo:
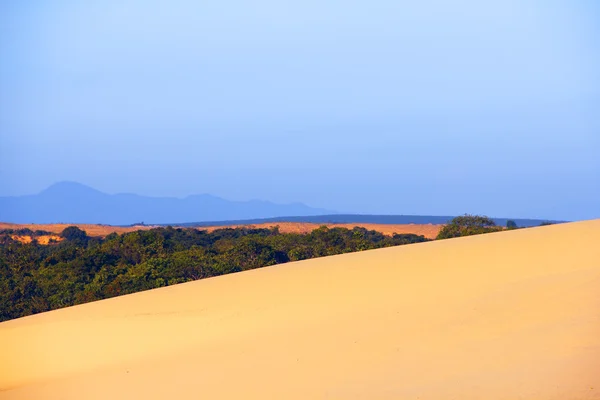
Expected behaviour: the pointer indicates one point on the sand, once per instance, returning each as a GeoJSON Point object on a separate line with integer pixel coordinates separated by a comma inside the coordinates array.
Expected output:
{"type": "Point", "coordinates": [42, 239]}
{"type": "Point", "coordinates": [508, 315]}
{"type": "Point", "coordinates": [91, 229]}
{"type": "Point", "coordinates": [430, 231]}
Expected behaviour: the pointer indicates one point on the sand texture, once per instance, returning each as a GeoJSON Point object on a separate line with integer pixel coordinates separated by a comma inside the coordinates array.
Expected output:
{"type": "Point", "coordinates": [508, 315]}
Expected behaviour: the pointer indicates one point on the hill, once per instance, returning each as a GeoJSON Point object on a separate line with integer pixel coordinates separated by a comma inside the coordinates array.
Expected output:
{"type": "Point", "coordinates": [70, 202]}
{"type": "Point", "coordinates": [505, 315]}
{"type": "Point", "coordinates": [74, 203]}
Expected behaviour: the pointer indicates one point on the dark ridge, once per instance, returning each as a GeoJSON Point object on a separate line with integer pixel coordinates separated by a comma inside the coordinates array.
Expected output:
{"type": "Point", "coordinates": [362, 219]}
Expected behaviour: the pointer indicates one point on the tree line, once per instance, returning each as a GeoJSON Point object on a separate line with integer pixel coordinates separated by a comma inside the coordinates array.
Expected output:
{"type": "Point", "coordinates": [79, 269]}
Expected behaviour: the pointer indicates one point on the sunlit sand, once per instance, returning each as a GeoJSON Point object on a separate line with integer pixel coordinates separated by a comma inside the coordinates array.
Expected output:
{"type": "Point", "coordinates": [507, 315]}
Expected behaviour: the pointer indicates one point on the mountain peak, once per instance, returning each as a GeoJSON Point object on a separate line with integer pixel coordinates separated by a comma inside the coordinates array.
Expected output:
{"type": "Point", "coordinates": [73, 202]}
{"type": "Point", "coordinates": [69, 188]}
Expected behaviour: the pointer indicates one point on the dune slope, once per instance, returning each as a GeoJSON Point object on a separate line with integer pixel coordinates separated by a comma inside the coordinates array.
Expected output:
{"type": "Point", "coordinates": [507, 315]}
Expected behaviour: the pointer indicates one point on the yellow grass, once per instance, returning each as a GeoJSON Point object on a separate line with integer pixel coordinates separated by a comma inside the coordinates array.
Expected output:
{"type": "Point", "coordinates": [507, 315]}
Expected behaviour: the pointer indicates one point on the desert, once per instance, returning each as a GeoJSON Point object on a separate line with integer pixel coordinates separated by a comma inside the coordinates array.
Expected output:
{"type": "Point", "coordinates": [504, 315]}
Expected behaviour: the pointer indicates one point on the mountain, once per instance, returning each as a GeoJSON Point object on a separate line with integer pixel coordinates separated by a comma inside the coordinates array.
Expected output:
{"type": "Point", "coordinates": [71, 202]}
{"type": "Point", "coordinates": [365, 219]}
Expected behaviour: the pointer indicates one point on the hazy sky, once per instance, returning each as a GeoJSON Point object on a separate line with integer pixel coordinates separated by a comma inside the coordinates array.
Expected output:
{"type": "Point", "coordinates": [379, 106]}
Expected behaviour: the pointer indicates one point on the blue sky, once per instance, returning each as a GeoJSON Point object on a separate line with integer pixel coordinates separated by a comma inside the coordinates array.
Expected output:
{"type": "Point", "coordinates": [380, 106]}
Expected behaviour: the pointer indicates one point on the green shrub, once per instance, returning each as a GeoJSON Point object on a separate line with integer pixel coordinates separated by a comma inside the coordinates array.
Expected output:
{"type": "Point", "coordinates": [467, 225]}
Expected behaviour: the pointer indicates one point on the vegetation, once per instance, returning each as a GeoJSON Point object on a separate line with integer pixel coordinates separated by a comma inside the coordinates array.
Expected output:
{"type": "Point", "coordinates": [36, 278]}
{"type": "Point", "coordinates": [23, 232]}
{"type": "Point", "coordinates": [467, 225]}
{"type": "Point", "coordinates": [510, 224]}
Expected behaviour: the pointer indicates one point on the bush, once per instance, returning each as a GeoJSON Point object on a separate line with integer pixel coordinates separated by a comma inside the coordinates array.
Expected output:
{"type": "Point", "coordinates": [73, 233]}
{"type": "Point", "coordinates": [467, 225]}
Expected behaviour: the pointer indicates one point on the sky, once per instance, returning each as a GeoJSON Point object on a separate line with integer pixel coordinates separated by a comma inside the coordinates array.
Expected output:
{"type": "Point", "coordinates": [378, 107]}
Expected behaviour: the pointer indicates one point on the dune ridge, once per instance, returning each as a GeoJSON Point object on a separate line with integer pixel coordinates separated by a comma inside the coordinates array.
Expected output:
{"type": "Point", "coordinates": [507, 315]}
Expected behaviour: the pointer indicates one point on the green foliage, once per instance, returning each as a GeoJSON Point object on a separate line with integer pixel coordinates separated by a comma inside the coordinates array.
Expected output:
{"type": "Point", "coordinates": [75, 235]}
{"type": "Point", "coordinates": [24, 232]}
{"type": "Point", "coordinates": [79, 269]}
{"type": "Point", "coordinates": [544, 223]}
{"type": "Point", "coordinates": [510, 224]}
{"type": "Point", "coordinates": [467, 225]}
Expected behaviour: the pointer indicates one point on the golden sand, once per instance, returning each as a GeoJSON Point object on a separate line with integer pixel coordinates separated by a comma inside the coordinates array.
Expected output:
{"type": "Point", "coordinates": [507, 315]}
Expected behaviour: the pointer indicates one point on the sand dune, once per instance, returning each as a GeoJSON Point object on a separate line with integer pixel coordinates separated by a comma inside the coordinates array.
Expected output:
{"type": "Point", "coordinates": [430, 231]}
{"type": "Point", "coordinates": [91, 229]}
{"type": "Point", "coordinates": [507, 315]}
{"type": "Point", "coordinates": [43, 239]}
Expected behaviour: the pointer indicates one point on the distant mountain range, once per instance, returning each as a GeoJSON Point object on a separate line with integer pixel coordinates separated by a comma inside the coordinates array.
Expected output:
{"type": "Point", "coordinates": [70, 202]}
